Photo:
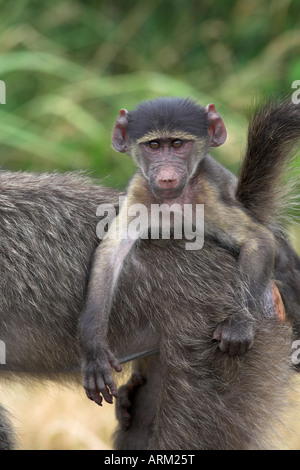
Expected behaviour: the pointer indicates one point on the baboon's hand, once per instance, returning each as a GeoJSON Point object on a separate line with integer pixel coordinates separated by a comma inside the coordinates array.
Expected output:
{"type": "Point", "coordinates": [126, 398]}
{"type": "Point", "coordinates": [235, 335]}
{"type": "Point", "coordinates": [97, 376]}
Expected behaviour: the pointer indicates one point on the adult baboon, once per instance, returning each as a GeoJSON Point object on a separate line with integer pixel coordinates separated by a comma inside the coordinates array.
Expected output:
{"type": "Point", "coordinates": [47, 240]}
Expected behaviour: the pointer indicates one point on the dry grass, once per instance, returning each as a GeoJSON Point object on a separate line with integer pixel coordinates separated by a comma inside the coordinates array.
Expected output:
{"type": "Point", "coordinates": [52, 417]}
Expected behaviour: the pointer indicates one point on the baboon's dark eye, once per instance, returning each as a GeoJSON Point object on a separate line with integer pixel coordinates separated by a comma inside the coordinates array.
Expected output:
{"type": "Point", "coordinates": [154, 144]}
{"type": "Point", "coordinates": [177, 143]}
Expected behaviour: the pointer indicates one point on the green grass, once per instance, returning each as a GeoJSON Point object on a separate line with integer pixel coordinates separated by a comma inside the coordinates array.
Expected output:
{"type": "Point", "coordinates": [69, 66]}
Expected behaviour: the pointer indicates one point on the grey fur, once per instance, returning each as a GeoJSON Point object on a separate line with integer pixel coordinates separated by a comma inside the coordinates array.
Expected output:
{"type": "Point", "coordinates": [7, 438]}
{"type": "Point", "coordinates": [207, 399]}
{"type": "Point", "coordinates": [47, 240]}
{"type": "Point", "coordinates": [226, 412]}
{"type": "Point", "coordinates": [48, 235]}
{"type": "Point", "coordinates": [274, 130]}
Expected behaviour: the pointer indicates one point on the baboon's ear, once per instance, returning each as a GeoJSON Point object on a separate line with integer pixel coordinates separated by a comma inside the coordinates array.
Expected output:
{"type": "Point", "coordinates": [216, 127]}
{"type": "Point", "coordinates": [119, 138]}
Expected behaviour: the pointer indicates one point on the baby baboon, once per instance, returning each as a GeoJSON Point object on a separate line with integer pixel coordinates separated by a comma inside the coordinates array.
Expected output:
{"type": "Point", "coordinates": [169, 139]}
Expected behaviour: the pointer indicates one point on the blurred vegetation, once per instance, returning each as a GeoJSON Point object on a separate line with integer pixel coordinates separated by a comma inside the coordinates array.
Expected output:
{"type": "Point", "coordinates": [70, 65]}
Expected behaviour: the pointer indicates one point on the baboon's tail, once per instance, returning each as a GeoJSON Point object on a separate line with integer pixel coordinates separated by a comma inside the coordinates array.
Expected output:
{"type": "Point", "coordinates": [273, 131]}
